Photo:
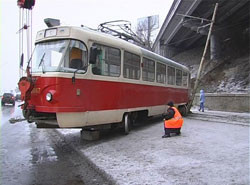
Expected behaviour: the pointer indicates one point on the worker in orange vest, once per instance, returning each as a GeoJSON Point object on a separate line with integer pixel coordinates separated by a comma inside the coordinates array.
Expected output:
{"type": "Point", "coordinates": [173, 121]}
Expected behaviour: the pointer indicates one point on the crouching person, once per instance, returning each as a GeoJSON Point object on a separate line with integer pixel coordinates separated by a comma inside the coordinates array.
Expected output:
{"type": "Point", "coordinates": [173, 121]}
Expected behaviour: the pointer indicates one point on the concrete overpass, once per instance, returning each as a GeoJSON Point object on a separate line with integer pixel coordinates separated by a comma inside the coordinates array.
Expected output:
{"type": "Point", "coordinates": [179, 33]}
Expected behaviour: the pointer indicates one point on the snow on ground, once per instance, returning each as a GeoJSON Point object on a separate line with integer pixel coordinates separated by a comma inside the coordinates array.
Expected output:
{"type": "Point", "coordinates": [205, 153]}
{"type": "Point", "coordinates": [66, 132]}
{"type": "Point", "coordinates": [230, 86]}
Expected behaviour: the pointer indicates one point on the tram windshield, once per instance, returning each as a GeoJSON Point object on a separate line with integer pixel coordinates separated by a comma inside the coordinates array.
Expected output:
{"type": "Point", "coordinates": [60, 56]}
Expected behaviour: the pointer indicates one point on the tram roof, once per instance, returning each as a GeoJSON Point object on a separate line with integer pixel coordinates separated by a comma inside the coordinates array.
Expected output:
{"type": "Point", "coordinates": [109, 40]}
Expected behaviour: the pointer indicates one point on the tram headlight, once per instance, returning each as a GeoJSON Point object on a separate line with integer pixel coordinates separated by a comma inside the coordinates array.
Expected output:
{"type": "Point", "coordinates": [49, 96]}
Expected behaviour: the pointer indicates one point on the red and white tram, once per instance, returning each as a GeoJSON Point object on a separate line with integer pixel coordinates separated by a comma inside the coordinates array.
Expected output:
{"type": "Point", "coordinates": [81, 78]}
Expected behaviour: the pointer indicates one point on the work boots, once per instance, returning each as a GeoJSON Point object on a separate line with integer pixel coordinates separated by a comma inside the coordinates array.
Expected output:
{"type": "Point", "coordinates": [166, 135]}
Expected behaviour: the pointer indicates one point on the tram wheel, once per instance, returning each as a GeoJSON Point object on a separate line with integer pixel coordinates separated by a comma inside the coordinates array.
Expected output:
{"type": "Point", "coordinates": [26, 115]}
{"type": "Point", "coordinates": [183, 110]}
{"type": "Point", "coordinates": [127, 124]}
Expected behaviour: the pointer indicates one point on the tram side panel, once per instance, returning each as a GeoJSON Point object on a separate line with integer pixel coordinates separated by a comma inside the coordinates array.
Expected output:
{"type": "Point", "coordinates": [90, 102]}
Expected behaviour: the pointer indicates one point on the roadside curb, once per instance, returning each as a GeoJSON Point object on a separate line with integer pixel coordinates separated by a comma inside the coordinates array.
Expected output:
{"type": "Point", "coordinates": [219, 117]}
{"type": "Point", "coordinates": [217, 121]}
{"type": "Point", "coordinates": [99, 170]}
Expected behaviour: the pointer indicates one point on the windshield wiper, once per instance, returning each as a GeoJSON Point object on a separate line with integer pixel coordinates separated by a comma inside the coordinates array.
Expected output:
{"type": "Point", "coordinates": [42, 62]}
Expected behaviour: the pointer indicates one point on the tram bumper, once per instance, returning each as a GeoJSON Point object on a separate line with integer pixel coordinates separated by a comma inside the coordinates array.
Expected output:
{"type": "Point", "coordinates": [56, 119]}
{"type": "Point", "coordinates": [47, 124]}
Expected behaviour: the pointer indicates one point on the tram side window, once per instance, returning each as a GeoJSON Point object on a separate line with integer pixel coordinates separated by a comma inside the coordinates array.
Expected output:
{"type": "Point", "coordinates": [178, 77]}
{"type": "Point", "coordinates": [77, 55]}
{"type": "Point", "coordinates": [171, 75]}
{"type": "Point", "coordinates": [108, 61]}
{"type": "Point", "coordinates": [160, 73]}
{"type": "Point", "coordinates": [148, 70]}
{"type": "Point", "coordinates": [131, 67]}
{"type": "Point", "coordinates": [185, 79]}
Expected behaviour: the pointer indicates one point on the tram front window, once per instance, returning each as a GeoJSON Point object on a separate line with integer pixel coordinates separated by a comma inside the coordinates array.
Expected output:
{"type": "Point", "coordinates": [60, 56]}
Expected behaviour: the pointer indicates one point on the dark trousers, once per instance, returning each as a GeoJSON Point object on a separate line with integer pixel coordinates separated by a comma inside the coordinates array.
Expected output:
{"type": "Point", "coordinates": [172, 130]}
{"type": "Point", "coordinates": [201, 107]}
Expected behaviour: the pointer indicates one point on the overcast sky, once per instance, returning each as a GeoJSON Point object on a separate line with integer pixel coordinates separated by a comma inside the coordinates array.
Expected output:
{"type": "Point", "coordinates": [74, 12]}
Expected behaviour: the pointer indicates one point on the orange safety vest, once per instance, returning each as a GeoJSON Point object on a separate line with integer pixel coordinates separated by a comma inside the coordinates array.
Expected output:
{"type": "Point", "coordinates": [176, 121]}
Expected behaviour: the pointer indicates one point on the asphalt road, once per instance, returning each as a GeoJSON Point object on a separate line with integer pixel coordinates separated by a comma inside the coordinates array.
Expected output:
{"type": "Point", "coordinates": [31, 156]}
{"type": "Point", "coordinates": [207, 152]}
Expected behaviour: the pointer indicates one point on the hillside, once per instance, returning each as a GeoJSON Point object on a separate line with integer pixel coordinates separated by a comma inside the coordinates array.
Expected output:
{"type": "Point", "coordinates": [229, 74]}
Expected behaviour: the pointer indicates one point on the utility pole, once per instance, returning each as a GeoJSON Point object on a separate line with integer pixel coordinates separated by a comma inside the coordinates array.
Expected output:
{"type": "Point", "coordinates": [149, 31]}
{"type": "Point", "coordinates": [202, 60]}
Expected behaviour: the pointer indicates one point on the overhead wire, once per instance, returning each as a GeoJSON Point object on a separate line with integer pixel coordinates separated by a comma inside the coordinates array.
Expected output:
{"type": "Point", "coordinates": [19, 43]}
{"type": "Point", "coordinates": [22, 23]}
{"type": "Point", "coordinates": [31, 39]}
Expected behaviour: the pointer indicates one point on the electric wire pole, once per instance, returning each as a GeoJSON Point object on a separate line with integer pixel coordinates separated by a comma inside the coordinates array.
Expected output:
{"type": "Point", "coordinates": [202, 60]}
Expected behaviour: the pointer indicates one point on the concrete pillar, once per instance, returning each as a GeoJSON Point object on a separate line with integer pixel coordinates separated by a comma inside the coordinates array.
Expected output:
{"type": "Point", "coordinates": [162, 50]}
{"type": "Point", "coordinates": [157, 48]}
{"type": "Point", "coordinates": [215, 50]}
{"type": "Point", "coordinates": [168, 51]}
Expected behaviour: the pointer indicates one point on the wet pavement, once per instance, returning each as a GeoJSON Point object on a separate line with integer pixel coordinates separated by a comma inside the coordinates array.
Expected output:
{"type": "Point", "coordinates": [31, 156]}
{"type": "Point", "coordinates": [15, 146]}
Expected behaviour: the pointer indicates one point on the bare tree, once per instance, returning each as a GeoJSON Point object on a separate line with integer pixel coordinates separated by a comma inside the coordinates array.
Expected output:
{"type": "Point", "coordinates": [145, 28]}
